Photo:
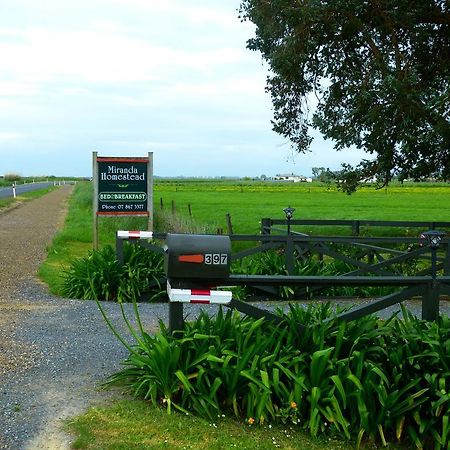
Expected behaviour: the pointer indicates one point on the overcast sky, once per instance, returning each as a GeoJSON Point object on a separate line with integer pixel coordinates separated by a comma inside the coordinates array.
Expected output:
{"type": "Point", "coordinates": [128, 77]}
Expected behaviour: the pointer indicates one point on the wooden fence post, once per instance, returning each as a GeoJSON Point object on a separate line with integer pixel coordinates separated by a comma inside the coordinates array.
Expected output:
{"type": "Point", "coordinates": [447, 260]}
{"type": "Point", "coordinates": [289, 255]}
{"type": "Point", "coordinates": [265, 225]}
{"type": "Point", "coordinates": [430, 300]}
{"type": "Point", "coordinates": [229, 224]}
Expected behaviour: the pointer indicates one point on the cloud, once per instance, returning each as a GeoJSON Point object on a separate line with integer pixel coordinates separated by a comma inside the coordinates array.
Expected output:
{"type": "Point", "coordinates": [102, 56]}
{"type": "Point", "coordinates": [132, 76]}
{"type": "Point", "coordinates": [8, 136]}
{"type": "Point", "coordinates": [17, 88]}
{"type": "Point", "coordinates": [85, 56]}
{"type": "Point", "coordinates": [205, 12]}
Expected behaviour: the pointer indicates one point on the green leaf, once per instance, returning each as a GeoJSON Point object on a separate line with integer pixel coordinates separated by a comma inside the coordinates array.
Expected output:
{"type": "Point", "coordinates": [337, 382]}
{"type": "Point", "coordinates": [319, 364]}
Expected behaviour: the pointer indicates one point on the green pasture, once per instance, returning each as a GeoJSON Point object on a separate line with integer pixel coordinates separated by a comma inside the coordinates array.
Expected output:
{"type": "Point", "coordinates": [247, 203]}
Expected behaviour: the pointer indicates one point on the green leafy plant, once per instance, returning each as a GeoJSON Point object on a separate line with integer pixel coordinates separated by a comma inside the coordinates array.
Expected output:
{"type": "Point", "coordinates": [99, 275]}
{"type": "Point", "coordinates": [368, 379]}
{"type": "Point", "coordinates": [273, 262]}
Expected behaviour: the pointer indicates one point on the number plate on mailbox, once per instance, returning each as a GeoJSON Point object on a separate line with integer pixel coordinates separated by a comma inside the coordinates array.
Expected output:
{"type": "Point", "coordinates": [197, 256]}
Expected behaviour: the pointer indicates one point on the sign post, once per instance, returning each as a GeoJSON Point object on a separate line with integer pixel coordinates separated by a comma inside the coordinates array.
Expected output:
{"type": "Point", "coordinates": [123, 186]}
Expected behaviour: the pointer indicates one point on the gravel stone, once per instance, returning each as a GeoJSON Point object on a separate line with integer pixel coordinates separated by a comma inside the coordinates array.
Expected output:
{"type": "Point", "coordinates": [55, 353]}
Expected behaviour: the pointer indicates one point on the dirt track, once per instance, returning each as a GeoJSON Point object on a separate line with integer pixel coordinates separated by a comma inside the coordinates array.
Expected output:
{"type": "Point", "coordinates": [54, 352]}
{"type": "Point", "coordinates": [25, 231]}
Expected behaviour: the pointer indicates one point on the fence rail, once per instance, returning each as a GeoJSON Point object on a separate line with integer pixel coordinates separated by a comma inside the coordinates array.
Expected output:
{"type": "Point", "coordinates": [268, 224]}
{"type": "Point", "coordinates": [374, 261]}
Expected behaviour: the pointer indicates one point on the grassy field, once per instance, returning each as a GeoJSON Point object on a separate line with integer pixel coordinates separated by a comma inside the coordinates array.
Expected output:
{"type": "Point", "coordinates": [247, 203]}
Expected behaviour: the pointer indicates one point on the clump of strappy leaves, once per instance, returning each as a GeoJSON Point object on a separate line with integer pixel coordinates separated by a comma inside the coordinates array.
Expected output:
{"type": "Point", "coordinates": [365, 380]}
{"type": "Point", "coordinates": [99, 275]}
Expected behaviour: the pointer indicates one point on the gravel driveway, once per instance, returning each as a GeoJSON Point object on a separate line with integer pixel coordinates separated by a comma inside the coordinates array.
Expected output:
{"type": "Point", "coordinates": [54, 352]}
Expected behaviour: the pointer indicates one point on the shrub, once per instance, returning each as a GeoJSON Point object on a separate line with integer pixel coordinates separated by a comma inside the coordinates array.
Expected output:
{"type": "Point", "coordinates": [272, 262]}
{"type": "Point", "coordinates": [365, 379]}
{"type": "Point", "coordinates": [11, 177]}
{"type": "Point", "coordinates": [100, 276]}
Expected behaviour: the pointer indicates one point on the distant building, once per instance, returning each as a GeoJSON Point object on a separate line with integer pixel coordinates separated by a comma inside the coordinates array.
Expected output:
{"type": "Point", "coordinates": [291, 177]}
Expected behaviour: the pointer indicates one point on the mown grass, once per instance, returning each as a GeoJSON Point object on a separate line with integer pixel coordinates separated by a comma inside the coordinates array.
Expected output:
{"type": "Point", "coordinates": [74, 240]}
{"type": "Point", "coordinates": [247, 203]}
{"type": "Point", "coordinates": [76, 237]}
{"type": "Point", "coordinates": [137, 425]}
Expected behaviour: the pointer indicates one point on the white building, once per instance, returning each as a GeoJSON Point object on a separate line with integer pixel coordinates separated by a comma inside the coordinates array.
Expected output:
{"type": "Point", "coordinates": [291, 177]}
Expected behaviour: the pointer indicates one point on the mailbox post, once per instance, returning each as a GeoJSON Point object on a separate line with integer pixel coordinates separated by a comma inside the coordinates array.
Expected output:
{"type": "Point", "coordinates": [194, 265]}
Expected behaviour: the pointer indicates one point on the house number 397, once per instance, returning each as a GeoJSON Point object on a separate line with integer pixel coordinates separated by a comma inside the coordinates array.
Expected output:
{"type": "Point", "coordinates": [216, 258]}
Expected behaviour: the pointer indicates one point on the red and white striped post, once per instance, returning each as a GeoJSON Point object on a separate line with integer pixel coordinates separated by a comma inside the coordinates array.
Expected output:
{"type": "Point", "coordinates": [203, 296]}
{"type": "Point", "coordinates": [122, 235]}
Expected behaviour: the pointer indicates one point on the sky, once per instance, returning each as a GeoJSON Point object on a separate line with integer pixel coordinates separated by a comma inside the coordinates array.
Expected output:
{"type": "Point", "coordinates": [129, 77]}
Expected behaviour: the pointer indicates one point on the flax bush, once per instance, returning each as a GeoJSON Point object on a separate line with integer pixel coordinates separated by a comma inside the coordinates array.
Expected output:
{"type": "Point", "coordinates": [100, 276]}
{"type": "Point", "coordinates": [365, 380]}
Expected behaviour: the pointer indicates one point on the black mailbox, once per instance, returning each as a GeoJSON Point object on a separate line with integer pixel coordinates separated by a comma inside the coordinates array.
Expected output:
{"type": "Point", "coordinates": [193, 259]}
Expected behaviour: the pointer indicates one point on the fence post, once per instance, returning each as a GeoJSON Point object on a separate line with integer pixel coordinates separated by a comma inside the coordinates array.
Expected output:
{"type": "Point", "coordinates": [355, 228]}
{"type": "Point", "coordinates": [229, 224]}
{"type": "Point", "coordinates": [265, 226]}
{"type": "Point", "coordinates": [289, 255]}
{"type": "Point", "coordinates": [447, 259]}
{"type": "Point", "coordinates": [176, 319]}
{"type": "Point", "coordinates": [430, 302]}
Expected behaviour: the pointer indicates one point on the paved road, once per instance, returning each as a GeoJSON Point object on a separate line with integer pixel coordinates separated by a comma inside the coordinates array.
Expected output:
{"type": "Point", "coordinates": [22, 188]}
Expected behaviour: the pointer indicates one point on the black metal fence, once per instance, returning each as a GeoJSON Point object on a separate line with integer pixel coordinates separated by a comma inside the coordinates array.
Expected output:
{"type": "Point", "coordinates": [374, 261]}
{"type": "Point", "coordinates": [269, 226]}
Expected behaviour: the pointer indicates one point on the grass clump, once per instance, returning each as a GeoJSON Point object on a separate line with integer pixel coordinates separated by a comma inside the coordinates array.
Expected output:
{"type": "Point", "coordinates": [100, 276]}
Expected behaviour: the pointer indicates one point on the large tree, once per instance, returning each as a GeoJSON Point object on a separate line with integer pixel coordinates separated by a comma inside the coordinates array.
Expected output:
{"type": "Point", "coordinates": [373, 74]}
